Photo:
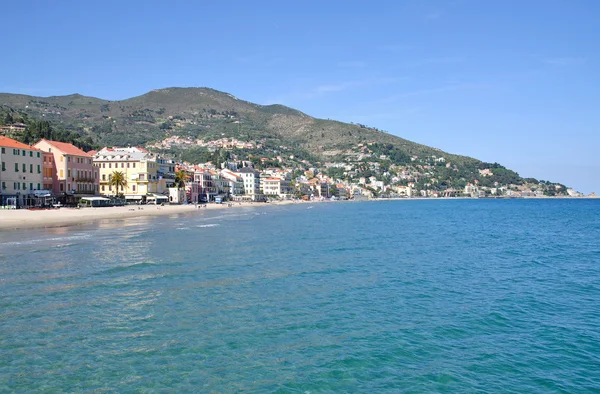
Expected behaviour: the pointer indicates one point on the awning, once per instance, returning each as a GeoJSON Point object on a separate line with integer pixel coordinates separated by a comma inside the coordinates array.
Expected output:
{"type": "Point", "coordinates": [133, 197]}
{"type": "Point", "coordinates": [95, 198]}
{"type": "Point", "coordinates": [156, 197]}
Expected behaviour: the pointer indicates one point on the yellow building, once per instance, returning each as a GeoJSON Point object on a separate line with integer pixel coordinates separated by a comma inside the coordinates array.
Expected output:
{"type": "Point", "coordinates": [139, 167]}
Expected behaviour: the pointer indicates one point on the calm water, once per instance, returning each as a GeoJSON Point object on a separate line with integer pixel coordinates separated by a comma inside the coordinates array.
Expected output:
{"type": "Point", "coordinates": [409, 296]}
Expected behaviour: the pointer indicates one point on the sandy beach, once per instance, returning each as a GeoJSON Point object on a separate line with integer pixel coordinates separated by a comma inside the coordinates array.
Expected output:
{"type": "Point", "coordinates": [24, 218]}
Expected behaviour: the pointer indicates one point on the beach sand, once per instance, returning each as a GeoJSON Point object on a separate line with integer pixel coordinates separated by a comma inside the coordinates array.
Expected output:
{"type": "Point", "coordinates": [23, 218]}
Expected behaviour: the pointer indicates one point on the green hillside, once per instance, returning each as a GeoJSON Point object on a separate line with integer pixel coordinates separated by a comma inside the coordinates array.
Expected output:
{"type": "Point", "coordinates": [207, 114]}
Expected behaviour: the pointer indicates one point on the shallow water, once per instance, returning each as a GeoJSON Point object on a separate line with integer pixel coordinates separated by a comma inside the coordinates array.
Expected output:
{"type": "Point", "coordinates": [408, 296]}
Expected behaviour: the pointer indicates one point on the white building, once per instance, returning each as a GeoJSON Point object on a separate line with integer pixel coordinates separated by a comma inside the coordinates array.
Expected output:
{"type": "Point", "coordinates": [251, 179]}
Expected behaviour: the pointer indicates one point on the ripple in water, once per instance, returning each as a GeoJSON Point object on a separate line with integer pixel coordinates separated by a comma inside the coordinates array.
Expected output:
{"type": "Point", "coordinates": [419, 296]}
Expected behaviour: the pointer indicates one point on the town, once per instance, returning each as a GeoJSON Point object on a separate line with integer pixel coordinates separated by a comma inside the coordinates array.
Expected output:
{"type": "Point", "coordinates": [52, 173]}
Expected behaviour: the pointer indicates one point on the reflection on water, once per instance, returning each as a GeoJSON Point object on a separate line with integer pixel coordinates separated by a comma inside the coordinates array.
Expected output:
{"type": "Point", "coordinates": [384, 297]}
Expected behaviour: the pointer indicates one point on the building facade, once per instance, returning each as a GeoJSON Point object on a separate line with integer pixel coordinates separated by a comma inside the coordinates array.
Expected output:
{"type": "Point", "coordinates": [20, 172]}
{"type": "Point", "coordinates": [73, 172]}
{"type": "Point", "coordinates": [139, 168]}
{"type": "Point", "coordinates": [251, 179]}
{"type": "Point", "coordinates": [236, 184]}
{"type": "Point", "coordinates": [274, 186]}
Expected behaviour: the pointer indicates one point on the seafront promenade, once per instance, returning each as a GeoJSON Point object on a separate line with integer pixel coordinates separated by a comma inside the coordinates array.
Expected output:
{"type": "Point", "coordinates": [24, 218]}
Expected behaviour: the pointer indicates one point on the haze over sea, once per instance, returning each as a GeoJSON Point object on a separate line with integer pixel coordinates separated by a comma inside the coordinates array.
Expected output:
{"type": "Point", "coordinates": [416, 296]}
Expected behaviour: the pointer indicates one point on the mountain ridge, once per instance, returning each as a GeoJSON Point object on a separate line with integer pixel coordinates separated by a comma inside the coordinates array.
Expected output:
{"type": "Point", "coordinates": [202, 113]}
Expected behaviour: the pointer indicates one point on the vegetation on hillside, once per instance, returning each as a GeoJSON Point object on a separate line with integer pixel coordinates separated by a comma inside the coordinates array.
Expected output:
{"type": "Point", "coordinates": [283, 136]}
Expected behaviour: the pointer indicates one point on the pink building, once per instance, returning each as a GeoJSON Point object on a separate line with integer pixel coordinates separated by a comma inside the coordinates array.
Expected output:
{"type": "Point", "coordinates": [74, 172]}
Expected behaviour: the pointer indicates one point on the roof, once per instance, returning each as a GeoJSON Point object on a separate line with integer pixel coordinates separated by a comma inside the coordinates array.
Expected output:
{"type": "Point", "coordinates": [67, 148]}
{"type": "Point", "coordinates": [10, 143]}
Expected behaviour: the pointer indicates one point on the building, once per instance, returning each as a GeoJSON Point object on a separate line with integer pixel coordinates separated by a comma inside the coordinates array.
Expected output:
{"type": "Point", "coordinates": [274, 186]}
{"type": "Point", "coordinates": [13, 130]}
{"type": "Point", "coordinates": [206, 188]}
{"type": "Point", "coordinates": [139, 167]}
{"type": "Point", "coordinates": [236, 184]}
{"type": "Point", "coordinates": [251, 179]}
{"type": "Point", "coordinates": [20, 172]}
{"type": "Point", "coordinates": [48, 171]}
{"type": "Point", "coordinates": [166, 171]}
{"type": "Point", "coordinates": [73, 172]}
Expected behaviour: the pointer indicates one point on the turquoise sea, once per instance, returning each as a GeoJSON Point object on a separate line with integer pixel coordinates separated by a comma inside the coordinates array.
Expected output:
{"type": "Point", "coordinates": [491, 296]}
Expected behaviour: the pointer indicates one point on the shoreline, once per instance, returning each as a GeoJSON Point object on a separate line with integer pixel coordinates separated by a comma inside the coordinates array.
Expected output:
{"type": "Point", "coordinates": [21, 219]}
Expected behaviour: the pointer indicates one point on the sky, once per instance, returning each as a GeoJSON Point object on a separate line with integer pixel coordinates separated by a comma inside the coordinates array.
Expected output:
{"type": "Point", "coordinates": [508, 81]}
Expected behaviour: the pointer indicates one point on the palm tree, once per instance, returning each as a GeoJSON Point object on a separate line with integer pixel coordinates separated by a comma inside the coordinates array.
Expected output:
{"type": "Point", "coordinates": [118, 180]}
{"type": "Point", "coordinates": [180, 178]}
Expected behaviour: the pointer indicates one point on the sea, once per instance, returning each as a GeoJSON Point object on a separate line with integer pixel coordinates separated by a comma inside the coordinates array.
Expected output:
{"type": "Point", "coordinates": [418, 296]}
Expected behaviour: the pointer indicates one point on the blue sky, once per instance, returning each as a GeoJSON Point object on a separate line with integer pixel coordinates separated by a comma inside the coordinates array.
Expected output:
{"type": "Point", "coordinates": [515, 82]}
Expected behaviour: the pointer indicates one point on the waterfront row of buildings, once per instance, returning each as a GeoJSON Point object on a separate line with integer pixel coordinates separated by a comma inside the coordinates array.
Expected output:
{"type": "Point", "coordinates": [33, 175]}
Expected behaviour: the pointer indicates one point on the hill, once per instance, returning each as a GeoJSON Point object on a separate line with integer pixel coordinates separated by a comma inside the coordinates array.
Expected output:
{"type": "Point", "coordinates": [174, 119]}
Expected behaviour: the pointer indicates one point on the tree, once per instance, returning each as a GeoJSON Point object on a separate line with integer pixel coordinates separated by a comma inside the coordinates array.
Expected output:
{"type": "Point", "coordinates": [180, 178]}
{"type": "Point", "coordinates": [118, 180]}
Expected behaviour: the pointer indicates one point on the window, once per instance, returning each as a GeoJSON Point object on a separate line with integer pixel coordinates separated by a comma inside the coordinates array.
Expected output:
{"type": "Point", "coordinates": [62, 158]}
{"type": "Point", "coordinates": [62, 187]}
{"type": "Point", "coordinates": [31, 168]}
{"type": "Point", "coordinates": [103, 177]}
{"type": "Point", "coordinates": [127, 165]}
{"type": "Point", "coordinates": [39, 169]}
{"type": "Point", "coordinates": [24, 186]}
{"type": "Point", "coordinates": [38, 155]}
{"type": "Point", "coordinates": [23, 151]}
{"type": "Point", "coordinates": [3, 151]}
{"type": "Point", "coordinates": [103, 165]}
{"type": "Point", "coordinates": [24, 167]}
{"type": "Point", "coordinates": [62, 174]}
{"type": "Point", "coordinates": [102, 187]}
{"type": "Point", "coordinates": [16, 167]}
{"type": "Point", "coordinates": [133, 165]}
{"type": "Point", "coordinates": [68, 159]}
{"type": "Point", "coordinates": [3, 166]}
{"type": "Point", "coordinates": [68, 173]}
{"type": "Point", "coordinates": [38, 186]}
{"type": "Point", "coordinates": [133, 188]}
{"type": "Point", "coordinates": [30, 153]}
{"type": "Point", "coordinates": [31, 186]}
{"type": "Point", "coordinates": [122, 165]}
{"type": "Point", "coordinates": [109, 165]}
{"type": "Point", "coordinates": [3, 185]}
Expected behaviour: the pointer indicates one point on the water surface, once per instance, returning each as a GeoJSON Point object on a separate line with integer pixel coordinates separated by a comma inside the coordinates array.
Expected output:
{"type": "Point", "coordinates": [408, 296]}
